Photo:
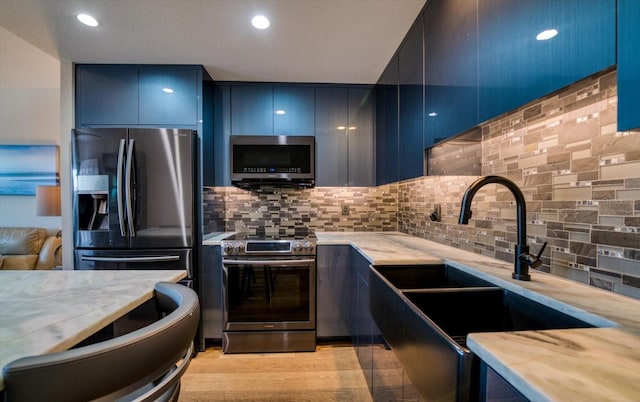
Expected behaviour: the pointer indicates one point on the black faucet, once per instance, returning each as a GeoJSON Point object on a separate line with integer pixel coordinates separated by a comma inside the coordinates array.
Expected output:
{"type": "Point", "coordinates": [523, 260]}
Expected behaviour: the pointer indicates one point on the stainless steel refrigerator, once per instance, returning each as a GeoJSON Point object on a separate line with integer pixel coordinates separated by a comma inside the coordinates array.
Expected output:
{"type": "Point", "coordinates": [134, 198]}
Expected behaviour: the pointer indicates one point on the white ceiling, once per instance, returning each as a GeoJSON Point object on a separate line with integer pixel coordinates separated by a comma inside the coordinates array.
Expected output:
{"type": "Point", "coordinates": [333, 41]}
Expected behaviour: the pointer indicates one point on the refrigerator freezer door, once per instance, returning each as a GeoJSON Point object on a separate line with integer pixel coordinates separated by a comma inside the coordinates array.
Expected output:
{"type": "Point", "coordinates": [97, 195]}
{"type": "Point", "coordinates": [161, 187]}
{"type": "Point", "coordinates": [177, 259]}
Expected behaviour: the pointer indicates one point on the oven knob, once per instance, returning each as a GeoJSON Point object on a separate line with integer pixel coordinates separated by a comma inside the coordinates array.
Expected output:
{"type": "Point", "coordinates": [308, 246]}
{"type": "Point", "coordinates": [228, 249]}
{"type": "Point", "coordinates": [297, 248]}
{"type": "Point", "coordinates": [239, 248]}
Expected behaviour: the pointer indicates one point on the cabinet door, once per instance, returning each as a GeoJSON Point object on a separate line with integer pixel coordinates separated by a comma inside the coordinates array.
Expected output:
{"type": "Point", "coordinates": [411, 144]}
{"type": "Point", "coordinates": [211, 292]}
{"type": "Point", "coordinates": [221, 133]}
{"type": "Point", "coordinates": [168, 96]}
{"type": "Point", "coordinates": [334, 291]}
{"type": "Point", "coordinates": [252, 110]}
{"type": "Point", "coordinates": [361, 141]}
{"type": "Point", "coordinates": [450, 68]}
{"type": "Point", "coordinates": [628, 65]}
{"type": "Point", "coordinates": [208, 168]}
{"type": "Point", "coordinates": [387, 124]}
{"type": "Point", "coordinates": [365, 331]}
{"type": "Point", "coordinates": [331, 137]}
{"type": "Point", "coordinates": [106, 95]}
{"type": "Point", "coordinates": [516, 68]}
{"type": "Point", "coordinates": [294, 110]}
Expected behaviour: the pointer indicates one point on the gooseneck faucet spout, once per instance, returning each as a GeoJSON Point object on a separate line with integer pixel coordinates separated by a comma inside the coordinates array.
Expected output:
{"type": "Point", "coordinates": [523, 260]}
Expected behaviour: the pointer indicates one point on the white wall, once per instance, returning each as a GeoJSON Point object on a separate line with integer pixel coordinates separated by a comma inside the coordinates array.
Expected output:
{"type": "Point", "coordinates": [29, 114]}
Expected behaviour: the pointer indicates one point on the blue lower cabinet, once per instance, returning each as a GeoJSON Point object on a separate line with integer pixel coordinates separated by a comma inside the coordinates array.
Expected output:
{"type": "Point", "coordinates": [628, 65]}
{"type": "Point", "coordinates": [334, 291]}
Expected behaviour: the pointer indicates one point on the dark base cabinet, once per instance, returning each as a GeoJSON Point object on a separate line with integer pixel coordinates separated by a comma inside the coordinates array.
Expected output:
{"type": "Point", "coordinates": [344, 312]}
{"type": "Point", "coordinates": [211, 292]}
{"type": "Point", "coordinates": [385, 375]}
{"type": "Point", "coordinates": [333, 292]}
{"type": "Point", "coordinates": [494, 388]}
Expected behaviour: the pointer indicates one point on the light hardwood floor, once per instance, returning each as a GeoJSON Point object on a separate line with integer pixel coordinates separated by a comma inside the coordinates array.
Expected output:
{"type": "Point", "coordinates": [332, 373]}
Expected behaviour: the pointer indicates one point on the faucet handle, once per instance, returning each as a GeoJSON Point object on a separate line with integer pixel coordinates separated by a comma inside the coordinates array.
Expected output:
{"type": "Point", "coordinates": [541, 251]}
{"type": "Point", "coordinates": [531, 260]}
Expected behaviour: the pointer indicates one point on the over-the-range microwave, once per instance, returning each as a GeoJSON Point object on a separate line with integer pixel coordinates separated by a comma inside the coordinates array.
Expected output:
{"type": "Point", "coordinates": [278, 161]}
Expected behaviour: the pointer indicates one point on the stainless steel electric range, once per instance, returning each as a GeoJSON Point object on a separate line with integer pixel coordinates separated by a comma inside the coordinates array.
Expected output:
{"type": "Point", "coordinates": [269, 293]}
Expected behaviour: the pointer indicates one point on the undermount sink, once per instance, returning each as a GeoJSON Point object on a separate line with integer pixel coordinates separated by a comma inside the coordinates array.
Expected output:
{"type": "Point", "coordinates": [426, 312]}
{"type": "Point", "coordinates": [459, 312]}
{"type": "Point", "coordinates": [428, 276]}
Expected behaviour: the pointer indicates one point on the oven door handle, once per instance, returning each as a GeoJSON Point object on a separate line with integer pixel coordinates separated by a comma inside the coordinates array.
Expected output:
{"type": "Point", "coordinates": [271, 263]}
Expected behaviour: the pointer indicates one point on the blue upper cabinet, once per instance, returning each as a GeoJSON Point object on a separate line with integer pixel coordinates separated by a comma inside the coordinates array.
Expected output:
{"type": "Point", "coordinates": [361, 138]}
{"type": "Point", "coordinates": [332, 144]}
{"type": "Point", "coordinates": [628, 65]}
{"type": "Point", "coordinates": [410, 105]}
{"type": "Point", "coordinates": [134, 95]}
{"type": "Point", "coordinates": [252, 110]}
{"type": "Point", "coordinates": [515, 67]}
{"type": "Point", "coordinates": [106, 95]}
{"type": "Point", "coordinates": [450, 68]}
{"type": "Point", "coordinates": [169, 95]}
{"type": "Point", "coordinates": [387, 124]}
{"type": "Point", "coordinates": [294, 110]}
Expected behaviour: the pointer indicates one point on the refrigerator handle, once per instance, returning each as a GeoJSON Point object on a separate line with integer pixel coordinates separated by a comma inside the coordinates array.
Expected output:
{"type": "Point", "coordinates": [129, 196]}
{"type": "Point", "coordinates": [123, 231]}
{"type": "Point", "coordinates": [160, 258]}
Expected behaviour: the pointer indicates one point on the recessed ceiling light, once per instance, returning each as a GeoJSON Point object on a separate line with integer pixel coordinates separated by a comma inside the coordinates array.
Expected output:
{"type": "Point", "coordinates": [341, 128]}
{"type": "Point", "coordinates": [547, 34]}
{"type": "Point", "coordinates": [260, 22]}
{"type": "Point", "coordinates": [87, 20]}
{"type": "Point", "coordinates": [280, 112]}
{"type": "Point", "coordinates": [167, 90]}
{"type": "Point", "coordinates": [352, 127]}
{"type": "Point", "coordinates": [432, 114]}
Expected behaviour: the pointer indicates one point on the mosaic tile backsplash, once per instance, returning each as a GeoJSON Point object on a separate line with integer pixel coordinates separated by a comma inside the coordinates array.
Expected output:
{"type": "Point", "coordinates": [580, 178]}
{"type": "Point", "coordinates": [327, 209]}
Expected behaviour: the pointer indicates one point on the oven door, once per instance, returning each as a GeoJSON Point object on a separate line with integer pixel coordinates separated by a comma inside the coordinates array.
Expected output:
{"type": "Point", "coordinates": [269, 294]}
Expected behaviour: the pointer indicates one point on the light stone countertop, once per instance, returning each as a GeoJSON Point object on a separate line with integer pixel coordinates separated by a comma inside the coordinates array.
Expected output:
{"type": "Point", "coordinates": [592, 364]}
{"type": "Point", "coordinates": [50, 311]}
{"type": "Point", "coordinates": [214, 238]}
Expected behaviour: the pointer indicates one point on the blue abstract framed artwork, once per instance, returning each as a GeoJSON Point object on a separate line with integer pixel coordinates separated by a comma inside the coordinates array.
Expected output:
{"type": "Point", "coordinates": [23, 167]}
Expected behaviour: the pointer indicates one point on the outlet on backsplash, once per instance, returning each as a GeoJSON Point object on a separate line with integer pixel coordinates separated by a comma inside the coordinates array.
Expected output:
{"type": "Point", "coordinates": [345, 209]}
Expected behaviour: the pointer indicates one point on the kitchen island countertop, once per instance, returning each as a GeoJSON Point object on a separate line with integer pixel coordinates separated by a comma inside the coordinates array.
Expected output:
{"type": "Point", "coordinates": [592, 364]}
{"type": "Point", "coordinates": [50, 311]}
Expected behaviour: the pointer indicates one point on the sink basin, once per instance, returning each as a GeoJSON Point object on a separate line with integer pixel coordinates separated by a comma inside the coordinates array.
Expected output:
{"type": "Point", "coordinates": [428, 276]}
{"type": "Point", "coordinates": [461, 312]}
{"type": "Point", "coordinates": [426, 312]}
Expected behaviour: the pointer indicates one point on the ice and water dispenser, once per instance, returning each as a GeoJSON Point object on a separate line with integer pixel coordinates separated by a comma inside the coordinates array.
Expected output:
{"type": "Point", "coordinates": [93, 197]}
